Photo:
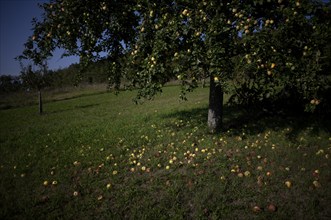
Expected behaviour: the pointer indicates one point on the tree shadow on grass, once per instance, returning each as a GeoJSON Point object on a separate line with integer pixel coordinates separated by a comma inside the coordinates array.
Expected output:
{"type": "Point", "coordinates": [196, 116]}
{"type": "Point", "coordinates": [237, 120]}
{"type": "Point", "coordinates": [72, 108]}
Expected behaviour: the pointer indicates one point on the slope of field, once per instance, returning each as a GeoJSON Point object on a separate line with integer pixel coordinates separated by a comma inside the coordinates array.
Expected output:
{"type": "Point", "coordinates": [100, 156]}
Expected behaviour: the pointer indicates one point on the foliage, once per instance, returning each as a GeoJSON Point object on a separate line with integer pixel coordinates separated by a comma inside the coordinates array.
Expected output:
{"type": "Point", "coordinates": [94, 73]}
{"type": "Point", "coordinates": [34, 79]}
{"type": "Point", "coordinates": [187, 40]}
{"type": "Point", "coordinates": [83, 28]}
{"type": "Point", "coordinates": [9, 83]}
{"type": "Point", "coordinates": [286, 61]}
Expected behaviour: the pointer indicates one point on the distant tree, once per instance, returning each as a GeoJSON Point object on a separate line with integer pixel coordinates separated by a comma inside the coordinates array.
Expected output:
{"type": "Point", "coordinates": [35, 80]}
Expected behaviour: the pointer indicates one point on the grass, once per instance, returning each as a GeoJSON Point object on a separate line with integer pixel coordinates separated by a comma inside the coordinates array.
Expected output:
{"type": "Point", "coordinates": [103, 157]}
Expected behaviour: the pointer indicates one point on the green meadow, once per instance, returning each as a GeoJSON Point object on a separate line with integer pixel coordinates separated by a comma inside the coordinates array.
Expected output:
{"type": "Point", "coordinates": [96, 155]}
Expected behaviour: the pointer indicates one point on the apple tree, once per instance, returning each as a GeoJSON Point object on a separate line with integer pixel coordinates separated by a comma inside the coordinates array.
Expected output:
{"type": "Point", "coordinates": [147, 43]}
{"type": "Point", "coordinates": [36, 80]}
{"type": "Point", "coordinates": [187, 40]}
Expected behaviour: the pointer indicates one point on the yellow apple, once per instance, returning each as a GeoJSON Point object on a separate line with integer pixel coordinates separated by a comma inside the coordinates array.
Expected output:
{"type": "Point", "coordinates": [317, 184]}
{"type": "Point", "coordinates": [288, 184]}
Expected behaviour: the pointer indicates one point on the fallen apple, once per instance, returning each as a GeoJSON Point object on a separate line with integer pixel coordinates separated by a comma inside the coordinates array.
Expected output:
{"type": "Point", "coordinates": [256, 209]}
{"type": "Point", "coordinates": [272, 208]}
{"type": "Point", "coordinates": [288, 184]}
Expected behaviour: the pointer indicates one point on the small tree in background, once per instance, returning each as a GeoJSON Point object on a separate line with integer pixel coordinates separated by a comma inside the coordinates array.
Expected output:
{"type": "Point", "coordinates": [35, 80]}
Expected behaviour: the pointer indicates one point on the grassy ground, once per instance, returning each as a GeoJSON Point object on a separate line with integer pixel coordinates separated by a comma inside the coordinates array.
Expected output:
{"type": "Point", "coordinates": [102, 157]}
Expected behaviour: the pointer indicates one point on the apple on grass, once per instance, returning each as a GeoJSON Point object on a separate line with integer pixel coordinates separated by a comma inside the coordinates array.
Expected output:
{"type": "Point", "coordinates": [288, 184]}
{"type": "Point", "coordinates": [271, 208]}
{"type": "Point", "coordinates": [257, 209]}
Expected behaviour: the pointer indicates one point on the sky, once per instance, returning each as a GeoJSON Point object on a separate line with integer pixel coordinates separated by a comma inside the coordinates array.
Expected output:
{"type": "Point", "coordinates": [15, 28]}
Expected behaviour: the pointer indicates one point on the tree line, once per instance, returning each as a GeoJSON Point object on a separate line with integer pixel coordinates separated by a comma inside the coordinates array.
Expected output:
{"type": "Point", "coordinates": [72, 75]}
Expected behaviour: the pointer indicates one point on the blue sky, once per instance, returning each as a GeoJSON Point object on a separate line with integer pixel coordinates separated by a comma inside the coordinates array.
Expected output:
{"type": "Point", "coordinates": [15, 28]}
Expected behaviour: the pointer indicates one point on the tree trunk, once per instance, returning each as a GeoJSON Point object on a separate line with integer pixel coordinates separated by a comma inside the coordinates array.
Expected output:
{"type": "Point", "coordinates": [215, 111]}
{"type": "Point", "coordinates": [40, 102]}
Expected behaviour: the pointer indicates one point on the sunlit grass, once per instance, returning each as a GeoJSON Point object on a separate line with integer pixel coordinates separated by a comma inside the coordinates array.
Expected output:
{"type": "Point", "coordinates": [102, 156]}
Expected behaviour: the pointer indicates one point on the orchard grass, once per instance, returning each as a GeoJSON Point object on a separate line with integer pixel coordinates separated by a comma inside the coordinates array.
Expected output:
{"type": "Point", "coordinates": [103, 157]}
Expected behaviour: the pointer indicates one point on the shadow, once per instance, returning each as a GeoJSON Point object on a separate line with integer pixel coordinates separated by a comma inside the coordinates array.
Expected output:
{"type": "Point", "coordinates": [77, 96]}
{"type": "Point", "coordinates": [237, 119]}
{"type": "Point", "coordinates": [71, 109]}
{"type": "Point", "coordinates": [196, 116]}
